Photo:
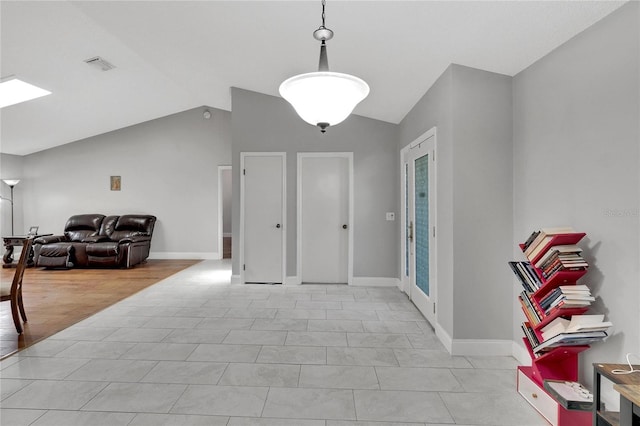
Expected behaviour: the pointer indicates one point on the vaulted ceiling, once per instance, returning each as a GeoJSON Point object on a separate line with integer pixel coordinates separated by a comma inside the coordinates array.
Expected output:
{"type": "Point", "coordinates": [171, 56]}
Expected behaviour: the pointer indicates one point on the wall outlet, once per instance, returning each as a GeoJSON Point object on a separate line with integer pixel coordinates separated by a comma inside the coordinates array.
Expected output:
{"type": "Point", "coordinates": [391, 216]}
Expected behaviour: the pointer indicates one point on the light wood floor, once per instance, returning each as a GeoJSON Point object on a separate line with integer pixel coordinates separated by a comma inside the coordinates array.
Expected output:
{"type": "Point", "coordinates": [56, 299]}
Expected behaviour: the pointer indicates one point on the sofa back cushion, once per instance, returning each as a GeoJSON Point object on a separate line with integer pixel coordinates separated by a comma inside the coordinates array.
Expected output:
{"type": "Point", "coordinates": [108, 226]}
{"type": "Point", "coordinates": [131, 225]}
{"type": "Point", "coordinates": [81, 226]}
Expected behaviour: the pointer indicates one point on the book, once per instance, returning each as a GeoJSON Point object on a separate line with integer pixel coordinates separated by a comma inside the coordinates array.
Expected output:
{"type": "Point", "coordinates": [570, 339]}
{"type": "Point", "coordinates": [574, 288]}
{"type": "Point", "coordinates": [556, 250]}
{"type": "Point", "coordinates": [588, 323]}
{"type": "Point", "coordinates": [573, 298]}
{"type": "Point", "coordinates": [577, 324]}
{"type": "Point", "coordinates": [571, 395]}
{"type": "Point", "coordinates": [530, 334]}
{"type": "Point", "coordinates": [530, 312]}
{"type": "Point", "coordinates": [555, 327]}
{"type": "Point", "coordinates": [523, 281]}
{"type": "Point", "coordinates": [527, 277]}
{"type": "Point", "coordinates": [562, 293]}
{"type": "Point", "coordinates": [567, 304]}
{"type": "Point", "coordinates": [545, 234]}
{"type": "Point", "coordinates": [529, 240]}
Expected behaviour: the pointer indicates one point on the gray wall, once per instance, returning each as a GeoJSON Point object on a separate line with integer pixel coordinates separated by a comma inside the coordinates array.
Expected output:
{"type": "Point", "coordinates": [482, 203]}
{"type": "Point", "coordinates": [576, 162]}
{"type": "Point", "coordinates": [474, 198]}
{"type": "Point", "coordinates": [169, 168]}
{"type": "Point", "coordinates": [11, 167]}
{"type": "Point", "coordinates": [269, 124]}
{"type": "Point", "coordinates": [435, 108]}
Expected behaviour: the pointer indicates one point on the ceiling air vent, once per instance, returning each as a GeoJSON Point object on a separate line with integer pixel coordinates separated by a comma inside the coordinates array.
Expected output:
{"type": "Point", "coordinates": [100, 63]}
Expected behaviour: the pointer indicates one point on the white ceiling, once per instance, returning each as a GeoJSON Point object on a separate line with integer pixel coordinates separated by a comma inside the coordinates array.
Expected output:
{"type": "Point", "coordinates": [173, 56]}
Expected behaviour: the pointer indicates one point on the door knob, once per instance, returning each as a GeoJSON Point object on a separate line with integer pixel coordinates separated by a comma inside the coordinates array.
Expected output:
{"type": "Point", "coordinates": [278, 226]}
{"type": "Point", "coordinates": [344, 226]}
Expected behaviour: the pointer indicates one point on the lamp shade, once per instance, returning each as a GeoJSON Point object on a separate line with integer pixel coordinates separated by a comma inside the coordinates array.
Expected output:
{"type": "Point", "coordinates": [324, 97]}
{"type": "Point", "coordinates": [11, 182]}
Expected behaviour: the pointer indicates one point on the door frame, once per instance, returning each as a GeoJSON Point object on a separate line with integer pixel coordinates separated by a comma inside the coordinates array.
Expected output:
{"type": "Point", "coordinates": [349, 157]}
{"type": "Point", "coordinates": [283, 155]}
{"type": "Point", "coordinates": [221, 209]}
{"type": "Point", "coordinates": [405, 281]}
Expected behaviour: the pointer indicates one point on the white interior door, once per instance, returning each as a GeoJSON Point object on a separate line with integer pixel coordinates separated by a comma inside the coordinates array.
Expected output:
{"type": "Point", "coordinates": [420, 232]}
{"type": "Point", "coordinates": [263, 217]}
{"type": "Point", "coordinates": [324, 217]}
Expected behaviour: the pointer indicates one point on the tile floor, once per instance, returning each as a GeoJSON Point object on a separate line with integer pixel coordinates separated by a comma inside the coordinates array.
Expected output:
{"type": "Point", "coordinates": [194, 350]}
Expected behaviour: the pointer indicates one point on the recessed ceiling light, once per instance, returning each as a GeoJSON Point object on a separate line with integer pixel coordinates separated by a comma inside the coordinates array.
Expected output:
{"type": "Point", "coordinates": [14, 91]}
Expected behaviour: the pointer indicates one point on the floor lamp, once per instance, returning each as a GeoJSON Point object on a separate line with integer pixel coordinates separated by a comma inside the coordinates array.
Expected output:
{"type": "Point", "coordinates": [11, 183]}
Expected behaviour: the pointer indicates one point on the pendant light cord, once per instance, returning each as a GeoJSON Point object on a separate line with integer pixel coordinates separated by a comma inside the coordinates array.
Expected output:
{"type": "Point", "coordinates": [324, 3]}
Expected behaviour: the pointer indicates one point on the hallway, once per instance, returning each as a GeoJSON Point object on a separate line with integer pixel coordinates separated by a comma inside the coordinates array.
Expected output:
{"type": "Point", "coordinates": [194, 349]}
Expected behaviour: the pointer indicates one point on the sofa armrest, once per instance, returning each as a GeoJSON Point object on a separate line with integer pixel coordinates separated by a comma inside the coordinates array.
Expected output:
{"type": "Point", "coordinates": [135, 239]}
{"type": "Point", "coordinates": [50, 239]}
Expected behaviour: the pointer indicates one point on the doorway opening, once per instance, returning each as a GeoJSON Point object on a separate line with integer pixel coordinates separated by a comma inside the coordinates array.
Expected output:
{"type": "Point", "coordinates": [224, 212]}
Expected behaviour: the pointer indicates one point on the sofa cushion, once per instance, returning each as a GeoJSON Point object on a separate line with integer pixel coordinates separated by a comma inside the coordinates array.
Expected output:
{"type": "Point", "coordinates": [104, 249]}
{"type": "Point", "coordinates": [56, 249]}
{"type": "Point", "coordinates": [55, 255]}
{"type": "Point", "coordinates": [132, 226]}
{"type": "Point", "coordinates": [108, 226]}
{"type": "Point", "coordinates": [81, 226]}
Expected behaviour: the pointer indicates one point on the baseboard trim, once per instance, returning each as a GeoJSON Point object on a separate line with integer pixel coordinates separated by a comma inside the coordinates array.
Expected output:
{"type": "Point", "coordinates": [482, 347]}
{"type": "Point", "coordinates": [235, 279]}
{"type": "Point", "coordinates": [375, 282]}
{"type": "Point", "coordinates": [185, 255]}
{"type": "Point", "coordinates": [444, 337]}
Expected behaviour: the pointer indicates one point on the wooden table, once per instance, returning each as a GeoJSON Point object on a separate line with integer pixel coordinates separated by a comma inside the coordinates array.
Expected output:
{"type": "Point", "coordinates": [629, 404]}
{"type": "Point", "coordinates": [17, 240]}
{"type": "Point", "coordinates": [620, 381]}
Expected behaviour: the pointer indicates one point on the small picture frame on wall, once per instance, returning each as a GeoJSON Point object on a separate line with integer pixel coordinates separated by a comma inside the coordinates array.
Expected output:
{"type": "Point", "coordinates": [33, 231]}
{"type": "Point", "coordinates": [116, 183]}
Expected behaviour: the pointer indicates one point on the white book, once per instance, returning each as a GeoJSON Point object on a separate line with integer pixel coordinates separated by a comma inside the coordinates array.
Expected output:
{"type": "Point", "coordinates": [578, 323]}
{"type": "Point", "coordinates": [588, 323]}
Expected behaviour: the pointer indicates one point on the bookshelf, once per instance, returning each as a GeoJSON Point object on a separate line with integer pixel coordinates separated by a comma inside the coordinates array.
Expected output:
{"type": "Point", "coordinates": [549, 278]}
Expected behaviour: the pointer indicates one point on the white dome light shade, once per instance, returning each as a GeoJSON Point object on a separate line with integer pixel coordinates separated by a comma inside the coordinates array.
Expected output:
{"type": "Point", "coordinates": [324, 97]}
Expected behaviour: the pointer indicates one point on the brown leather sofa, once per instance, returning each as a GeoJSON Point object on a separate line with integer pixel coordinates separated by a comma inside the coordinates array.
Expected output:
{"type": "Point", "coordinates": [96, 240]}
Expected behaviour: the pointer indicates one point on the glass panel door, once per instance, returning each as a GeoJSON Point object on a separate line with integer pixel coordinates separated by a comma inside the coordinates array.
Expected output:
{"type": "Point", "coordinates": [421, 222]}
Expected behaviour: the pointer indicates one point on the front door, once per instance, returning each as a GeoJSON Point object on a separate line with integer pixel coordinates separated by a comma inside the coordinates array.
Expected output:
{"type": "Point", "coordinates": [420, 232]}
{"type": "Point", "coordinates": [262, 217]}
{"type": "Point", "coordinates": [324, 206]}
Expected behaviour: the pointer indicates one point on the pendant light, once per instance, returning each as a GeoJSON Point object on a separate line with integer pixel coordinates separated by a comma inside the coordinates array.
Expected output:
{"type": "Point", "coordinates": [324, 98]}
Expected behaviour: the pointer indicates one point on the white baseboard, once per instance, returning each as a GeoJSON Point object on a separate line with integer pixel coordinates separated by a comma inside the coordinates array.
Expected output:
{"type": "Point", "coordinates": [482, 347]}
{"type": "Point", "coordinates": [444, 337]}
{"type": "Point", "coordinates": [375, 281]}
{"type": "Point", "coordinates": [235, 279]}
{"type": "Point", "coordinates": [184, 255]}
{"type": "Point", "coordinates": [520, 353]}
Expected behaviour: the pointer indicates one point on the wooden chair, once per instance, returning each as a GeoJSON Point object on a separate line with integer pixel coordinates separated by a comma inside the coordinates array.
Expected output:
{"type": "Point", "coordinates": [13, 292]}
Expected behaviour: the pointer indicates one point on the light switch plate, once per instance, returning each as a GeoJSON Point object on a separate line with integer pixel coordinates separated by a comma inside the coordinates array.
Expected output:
{"type": "Point", "coordinates": [391, 216]}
